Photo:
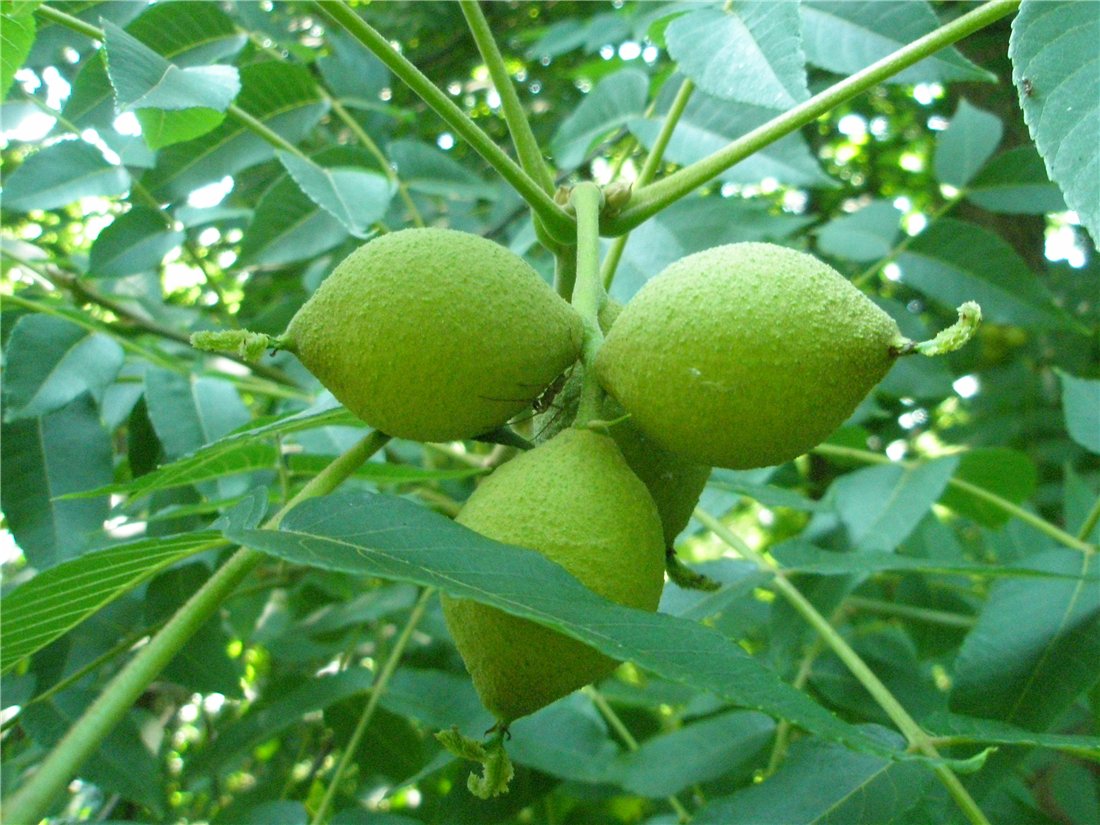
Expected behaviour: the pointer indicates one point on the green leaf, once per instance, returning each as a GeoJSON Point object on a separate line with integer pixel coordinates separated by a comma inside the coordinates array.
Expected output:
{"type": "Point", "coordinates": [51, 361]}
{"type": "Point", "coordinates": [202, 665]}
{"type": "Point", "coordinates": [1055, 53]}
{"type": "Point", "coordinates": [267, 719]}
{"type": "Point", "coordinates": [691, 225]}
{"type": "Point", "coordinates": [798, 556]}
{"type": "Point", "coordinates": [384, 474]}
{"type": "Point", "coordinates": [1035, 646]}
{"type": "Point", "coordinates": [60, 174]}
{"type": "Point", "coordinates": [142, 79]}
{"type": "Point", "coordinates": [191, 411]}
{"type": "Point", "coordinates": [749, 52]}
{"type": "Point", "coordinates": [567, 739]}
{"type": "Point", "coordinates": [352, 73]}
{"type": "Point", "coordinates": [136, 241]}
{"type": "Point", "coordinates": [953, 262]}
{"type": "Point", "coordinates": [393, 538]}
{"type": "Point", "coordinates": [437, 698]}
{"type": "Point", "coordinates": [287, 226]}
{"type": "Point", "coordinates": [424, 168]}
{"type": "Point", "coordinates": [357, 198]}
{"type": "Point", "coordinates": [820, 783]}
{"type": "Point", "coordinates": [615, 100]}
{"type": "Point", "coordinates": [992, 732]}
{"type": "Point", "coordinates": [769, 495]}
{"type": "Point", "coordinates": [1006, 472]}
{"type": "Point", "coordinates": [16, 38]}
{"type": "Point", "coordinates": [709, 124]}
{"type": "Point", "coordinates": [667, 764]}
{"type": "Point", "coordinates": [882, 505]}
{"type": "Point", "coordinates": [188, 34]}
{"type": "Point", "coordinates": [845, 36]}
{"type": "Point", "coordinates": [283, 96]}
{"type": "Point", "coordinates": [1016, 183]}
{"type": "Point", "coordinates": [162, 128]}
{"type": "Point", "coordinates": [241, 451]}
{"type": "Point", "coordinates": [64, 452]}
{"type": "Point", "coordinates": [867, 234]}
{"type": "Point", "coordinates": [967, 143]}
{"type": "Point", "coordinates": [1081, 407]}
{"type": "Point", "coordinates": [1080, 496]}
{"type": "Point", "coordinates": [194, 468]}
{"type": "Point", "coordinates": [58, 599]}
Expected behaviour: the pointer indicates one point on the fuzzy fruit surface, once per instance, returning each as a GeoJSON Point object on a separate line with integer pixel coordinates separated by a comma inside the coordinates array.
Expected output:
{"type": "Point", "coordinates": [575, 501]}
{"type": "Point", "coordinates": [674, 482]}
{"type": "Point", "coordinates": [745, 355]}
{"type": "Point", "coordinates": [434, 334]}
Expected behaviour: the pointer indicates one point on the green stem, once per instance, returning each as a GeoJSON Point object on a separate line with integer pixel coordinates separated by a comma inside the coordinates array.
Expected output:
{"type": "Point", "coordinates": [372, 147]}
{"type": "Point", "coordinates": [1003, 504]}
{"type": "Point", "coordinates": [648, 172]}
{"type": "Point", "coordinates": [783, 728]}
{"type": "Point", "coordinates": [31, 802]}
{"type": "Point", "coordinates": [1090, 521]}
{"type": "Point", "coordinates": [553, 218]}
{"type": "Point", "coordinates": [862, 278]}
{"type": "Point", "coordinates": [565, 271]}
{"type": "Point", "coordinates": [908, 611]}
{"type": "Point", "coordinates": [527, 147]}
{"type": "Point", "coordinates": [624, 733]}
{"type": "Point", "coordinates": [376, 691]}
{"type": "Point", "coordinates": [127, 642]}
{"type": "Point", "coordinates": [655, 197]}
{"type": "Point", "coordinates": [67, 20]}
{"type": "Point", "coordinates": [268, 134]}
{"type": "Point", "coordinates": [909, 728]}
{"type": "Point", "coordinates": [587, 200]}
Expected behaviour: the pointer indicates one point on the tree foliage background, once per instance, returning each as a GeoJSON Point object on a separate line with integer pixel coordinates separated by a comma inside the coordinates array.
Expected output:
{"type": "Point", "coordinates": [183, 166]}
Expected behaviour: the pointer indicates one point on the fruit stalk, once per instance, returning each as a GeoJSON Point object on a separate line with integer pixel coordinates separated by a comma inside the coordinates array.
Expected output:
{"type": "Point", "coordinates": [587, 200]}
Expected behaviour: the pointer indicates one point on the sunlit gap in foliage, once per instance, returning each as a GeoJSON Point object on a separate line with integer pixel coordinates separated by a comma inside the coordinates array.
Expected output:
{"type": "Point", "coordinates": [210, 195]}
{"type": "Point", "coordinates": [967, 386]}
{"type": "Point", "coordinates": [9, 550]}
{"type": "Point", "coordinates": [1064, 241]}
{"type": "Point", "coordinates": [926, 93]}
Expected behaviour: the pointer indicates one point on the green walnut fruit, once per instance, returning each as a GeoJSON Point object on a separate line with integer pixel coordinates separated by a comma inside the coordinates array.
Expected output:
{"type": "Point", "coordinates": [575, 501]}
{"type": "Point", "coordinates": [433, 334]}
{"type": "Point", "coordinates": [674, 482]}
{"type": "Point", "coordinates": [746, 355]}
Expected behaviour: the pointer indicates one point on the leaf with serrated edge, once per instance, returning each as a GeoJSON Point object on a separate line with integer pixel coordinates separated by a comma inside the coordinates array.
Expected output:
{"type": "Point", "coordinates": [393, 538]}
{"type": "Point", "coordinates": [1055, 53]}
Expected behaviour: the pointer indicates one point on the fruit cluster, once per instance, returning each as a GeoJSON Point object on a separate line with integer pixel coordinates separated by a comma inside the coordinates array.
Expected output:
{"type": "Point", "coordinates": [740, 356]}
